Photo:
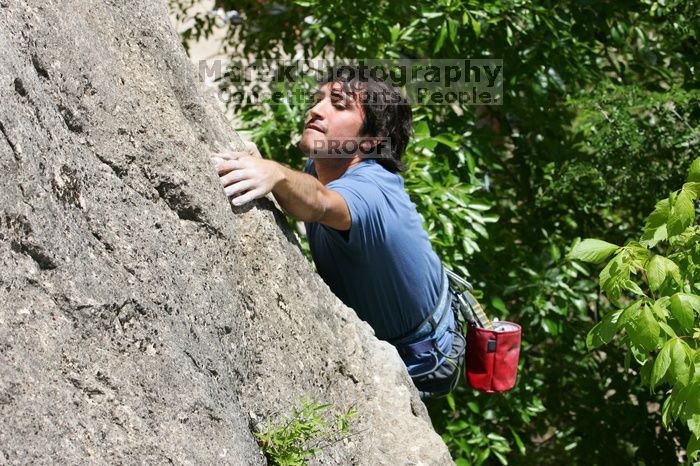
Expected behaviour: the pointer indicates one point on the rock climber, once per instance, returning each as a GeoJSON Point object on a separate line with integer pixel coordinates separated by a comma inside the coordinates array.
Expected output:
{"type": "Point", "coordinates": [365, 235]}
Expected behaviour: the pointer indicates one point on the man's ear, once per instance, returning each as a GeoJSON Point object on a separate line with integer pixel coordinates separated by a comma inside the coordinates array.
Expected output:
{"type": "Point", "coordinates": [372, 145]}
{"type": "Point", "coordinates": [366, 145]}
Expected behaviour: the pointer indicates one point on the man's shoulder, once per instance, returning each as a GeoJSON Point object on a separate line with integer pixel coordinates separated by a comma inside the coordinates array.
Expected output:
{"type": "Point", "coordinates": [371, 172]}
{"type": "Point", "coordinates": [365, 180]}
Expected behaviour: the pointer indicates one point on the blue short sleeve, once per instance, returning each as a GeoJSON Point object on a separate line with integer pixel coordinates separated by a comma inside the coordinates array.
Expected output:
{"type": "Point", "coordinates": [364, 203]}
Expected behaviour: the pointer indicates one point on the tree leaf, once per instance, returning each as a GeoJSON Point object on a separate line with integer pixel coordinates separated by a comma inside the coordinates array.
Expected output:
{"type": "Point", "coordinates": [693, 447]}
{"type": "Point", "coordinates": [394, 32]}
{"type": "Point", "coordinates": [682, 214]}
{"type": "Point", "coordinates": [592, 250]}
{"type": "Point", "coordinates": [476, 27]}
{"type": "Point", "coordinates": [604, 331]}
{"type": "Point", "coordinates": [680, 365]}
{"type": "Point", "coordinates": [421, 130]}
{"type": "Point", "coordinates": [518, 441]}
{"type": "Point", "coordinates": [633, 287]}
{"type": "Point", "coordinates": [638, 253]}
{"type": "Point", "coordinates": [667, 328]}
{"type": "Point", "coordinates": [452, 26]}
{"type": "Point", "coordinates": [643, 329]}
{"type": "Point", "coordinates": [666, 412]}
{"type": "Point", "coordinates": [629, 313]}
{"type": "Point", "coordinates": [442, 35]}
{"type": "Point", "coordinates": [655, 229]}
{"type": "Point", "coordinates": [694, 424]}
{"type": "Point", "coordinates": [694, 173]}
{"type": "Point", "coordinates": [682, 306]}
{"type": "Point", "coordinates": [656, 272]}
{"type": "Point", "coordinates": [647, 366]}
{"type": "Point", "coordinates": [446, 140]}
{"type": "Point", "coordinates": [661, 365]}
{"type": "Point", "coordinates": [658, 268]}
{"type": "Point", "coordinates": [451, 402]}
{"type": "Point", "coordinates": [660, 214]}
{"type": "Point", "coordinates": [654, 236]}
{"type": "Point", "coordinates": [432, 14]}
{"type": "Point", "coordinates": [615, 276]}
{"type": "Point", "coordinates": [693, 189]}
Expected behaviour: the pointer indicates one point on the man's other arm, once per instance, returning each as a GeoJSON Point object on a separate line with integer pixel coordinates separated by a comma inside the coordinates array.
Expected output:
{"type": "Point", "coordinates": [246, 177]}
{"type": "Point", "coordinates": [305, 198]}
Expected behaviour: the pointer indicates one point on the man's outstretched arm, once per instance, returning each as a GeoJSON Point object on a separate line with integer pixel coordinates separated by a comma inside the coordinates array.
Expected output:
{"type": "Point", "coordinates": [245, 176]}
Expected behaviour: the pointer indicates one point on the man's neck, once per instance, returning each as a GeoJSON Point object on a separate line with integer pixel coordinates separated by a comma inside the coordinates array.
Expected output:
{"type": "Point", "coordinates": [329, 170]}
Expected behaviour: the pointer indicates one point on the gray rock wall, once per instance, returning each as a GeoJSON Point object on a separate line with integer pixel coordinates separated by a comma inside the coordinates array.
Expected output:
{"type": "Point", "coordinates": [141, 318]}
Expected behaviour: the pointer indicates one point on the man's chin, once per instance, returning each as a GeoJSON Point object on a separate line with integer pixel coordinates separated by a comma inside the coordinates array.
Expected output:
{"type": "Point", "coordinates": [306, 145]}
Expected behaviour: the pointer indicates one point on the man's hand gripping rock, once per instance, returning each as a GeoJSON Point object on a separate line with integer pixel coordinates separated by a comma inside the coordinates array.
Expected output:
{"type": "Point", "coordinates": [245, 175]}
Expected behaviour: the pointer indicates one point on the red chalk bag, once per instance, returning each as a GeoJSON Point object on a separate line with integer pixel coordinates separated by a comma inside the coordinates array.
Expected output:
{"type": "Point", "coordinates": [492, 356]}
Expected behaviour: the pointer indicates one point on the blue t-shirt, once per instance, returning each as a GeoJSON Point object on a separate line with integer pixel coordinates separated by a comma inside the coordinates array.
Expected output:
{"type": "Point", "coordinates": [384, 267]}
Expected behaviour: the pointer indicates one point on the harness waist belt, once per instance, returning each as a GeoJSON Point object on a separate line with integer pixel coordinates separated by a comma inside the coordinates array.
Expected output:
{"type": "Point", "coordinates": [403, 344]}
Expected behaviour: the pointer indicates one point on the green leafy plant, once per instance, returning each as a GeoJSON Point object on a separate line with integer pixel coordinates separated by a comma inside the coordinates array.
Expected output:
{"type": "Point", "coordinates": [302, 434]}
{"type": "Point", "coordinates": [656, 299]}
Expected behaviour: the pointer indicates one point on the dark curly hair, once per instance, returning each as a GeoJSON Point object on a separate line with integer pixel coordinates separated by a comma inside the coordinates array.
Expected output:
{"type": "Point", "coordinates": [387, 112]}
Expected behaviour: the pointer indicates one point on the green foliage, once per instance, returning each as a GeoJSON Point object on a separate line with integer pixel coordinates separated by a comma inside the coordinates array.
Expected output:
{"type": "Point", "coordinates": [276, 126]}
{"type": "Point", "coordinates": [444, 183]}
{"type": "Point", "coordinates": [297, 437]}
{"type": "Point", "coordinates": [657, 312]}
{"type": "Point", "coordinates": [592, 250]}
{"type": "Point", "coordinates": [473, 439]}
{"type": "Point", "coordinates": [628, 140]}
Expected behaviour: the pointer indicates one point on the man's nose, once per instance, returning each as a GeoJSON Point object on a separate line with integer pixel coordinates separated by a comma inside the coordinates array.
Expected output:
{"type": "Point", "coordinates": [313, 113]}
{"type": "Point", "coordinates": [318, 111]}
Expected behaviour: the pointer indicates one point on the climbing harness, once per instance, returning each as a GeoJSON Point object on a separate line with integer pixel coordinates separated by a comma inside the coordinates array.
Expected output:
{"type": "Point", "coordinates": [489, 351]}
{"type": "Point", "coordinates": [443, 374]}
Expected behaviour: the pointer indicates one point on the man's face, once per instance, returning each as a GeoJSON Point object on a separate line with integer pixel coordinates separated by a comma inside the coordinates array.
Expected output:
{"type": "Point", "coordinates": [333, 118]}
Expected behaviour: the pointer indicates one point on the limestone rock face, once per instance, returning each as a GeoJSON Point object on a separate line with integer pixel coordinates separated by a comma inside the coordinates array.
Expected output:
{"type": "Point", "coordinates": [141, 318]}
